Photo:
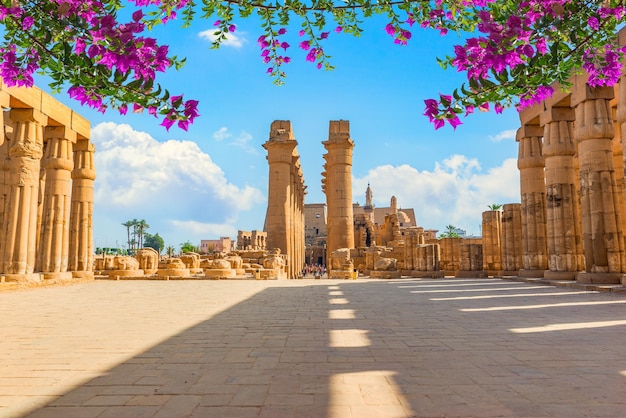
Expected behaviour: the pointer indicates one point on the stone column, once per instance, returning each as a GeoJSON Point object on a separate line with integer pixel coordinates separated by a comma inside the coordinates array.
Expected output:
{"type": "Point", "coordinates": [618, 166]}
{"type": "Point", "coordinates": [300, 242]}
{"type": "Point", "coordinates": [564, 238]}
{"type": "Point", "coordinates": [532, 187]}
{"type": "Point", "coordinates": [492, 247]}
{"type": "Point", "coordinates": [621, 114]}
{"type": "Point", "coordinates": [603, 243]}
{"type": "Point", "coordinates": [285, 172]}
{"type": "Point", "coordinates": [511, 239]}
{"type": "Point", "coordinates": [81, 212]}
{"type": "Point", "coordinates": [20, 223]}
{"type": "Point", "coordinates": [55, 226]}
{"type": "Point", "coordinates": [338, 186]}
{"type": "Point", "coordinates": [5, 176]}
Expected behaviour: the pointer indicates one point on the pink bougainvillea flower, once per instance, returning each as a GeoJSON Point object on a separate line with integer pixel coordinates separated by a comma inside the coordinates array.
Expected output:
{"type": "Point", "coordinates": [454, 122]}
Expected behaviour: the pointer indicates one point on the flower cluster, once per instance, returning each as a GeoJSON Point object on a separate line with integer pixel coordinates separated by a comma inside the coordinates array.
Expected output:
{"type": "Point", "coordinates": [122, 63]}
{"type": "Point", "coordinates": [526, 50]}
{"type": "Point", "coordinates": [270, 45]}
{"type": "Point", "coordinates": [442, 111]}
{"type": "Point", "coordinates": [515, 49]}
{"type": "Point", "coordinates": [604, 66]}
{"type": "Point", "coordinates": [401, 36]}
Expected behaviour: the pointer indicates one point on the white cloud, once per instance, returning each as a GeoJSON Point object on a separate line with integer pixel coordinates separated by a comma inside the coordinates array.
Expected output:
{"type": "Point", "coordinates": [457, 191]}
{"type": "Point", "coordinates": [504, 135]}
{"type": "Point", "coordinates": [205, 229]}
{"type": "Point", "coordinates": [241, 141]}
{"type": "Point", "coordinates": [221, 134]}
{"type": "Point", "coordinates": [232, 40]}
{"type": "Point", "coordinates": [173, 185]}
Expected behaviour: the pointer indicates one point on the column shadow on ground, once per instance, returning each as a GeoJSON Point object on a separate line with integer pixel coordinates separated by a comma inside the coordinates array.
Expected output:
{"type": "Point", "coordinates": [376, 348]}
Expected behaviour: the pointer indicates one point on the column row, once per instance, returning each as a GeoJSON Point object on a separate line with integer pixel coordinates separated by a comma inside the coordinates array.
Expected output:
{"type": "Point", "coordinates": [46, 199]}
{"type": "Point", "coordinates": [572, 198]}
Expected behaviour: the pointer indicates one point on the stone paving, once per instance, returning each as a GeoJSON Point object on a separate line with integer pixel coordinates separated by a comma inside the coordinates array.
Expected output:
{"type": "Point", "coordinates": [312, 348]}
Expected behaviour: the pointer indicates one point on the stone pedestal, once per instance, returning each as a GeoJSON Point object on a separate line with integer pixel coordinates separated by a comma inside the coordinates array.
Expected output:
{"type": "Point", "coordinates": [219, 273]}
{"type": "Point", "coordinates": [173, 272]}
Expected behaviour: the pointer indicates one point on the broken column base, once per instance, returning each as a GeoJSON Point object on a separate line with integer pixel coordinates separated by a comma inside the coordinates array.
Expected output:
{"type": "Point", "coordinates": [343, 274]}
{"type": "Point", "coordinates": [600, 278]}
{"type": "Point", "coordinates": [385, 274]}
{"type": "Point", "coordinates": [560, 275]}
{"type": "Point", "coordinates": [217, 274]}
{"type": "Point", "coordinates": [23, 277]}
{"type": "Point", "coordinates": [166, 274]}
{"type": "Point", "coordinates": [123, 274]}
{"type": "Point", "coordinates": [83, 274]}
{"type": "Point", "coordinates": [64, 275]}
{"type": "Point", "coordinates": [531, 273]}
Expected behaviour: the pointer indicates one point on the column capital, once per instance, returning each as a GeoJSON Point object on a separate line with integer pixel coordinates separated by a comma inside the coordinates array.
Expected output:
{"type": "Point", "coordinates": [527, 131]}
{"type": "Point", "coordinates": [281, 130]}
{"type": "Point", "coordinates": [28, 115]}
{"type": "Point", "coordinates": [581, 91]}
{"type": "Point", "coordinates": [84, 145]}
{"type": "Point", "coordinates": [557, 114]}
{"type": "Point", "coordinates": [61, 132]}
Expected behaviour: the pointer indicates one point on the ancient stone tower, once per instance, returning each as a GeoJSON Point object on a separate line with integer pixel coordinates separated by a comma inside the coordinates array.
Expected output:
{"type": "Point", "coordinates": [46, 189]}
{"type": "Point", "coordinates": [337, 185]}
{"type": "Point", "coordinates": [284, 221]}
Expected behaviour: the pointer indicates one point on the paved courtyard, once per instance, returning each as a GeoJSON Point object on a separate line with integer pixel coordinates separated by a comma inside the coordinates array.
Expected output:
{"type": "Point", "coordinates": [312, 348]}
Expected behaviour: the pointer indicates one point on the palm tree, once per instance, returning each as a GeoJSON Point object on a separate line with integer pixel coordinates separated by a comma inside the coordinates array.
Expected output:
{"type": "Point", "coordinates": [450, 232]}
{"type": "Point", "coordinates": [134, 241]}
{"type": "Point", "coordinates": [128, 225]}
{"type": "Point", "coordinates": [142, 225]}
{"type": "Point", "coordinates": [494, 206]}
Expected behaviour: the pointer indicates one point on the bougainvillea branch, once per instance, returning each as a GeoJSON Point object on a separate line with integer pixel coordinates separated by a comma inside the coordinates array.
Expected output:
{"type": "Point", "coordinates": [514, 49]}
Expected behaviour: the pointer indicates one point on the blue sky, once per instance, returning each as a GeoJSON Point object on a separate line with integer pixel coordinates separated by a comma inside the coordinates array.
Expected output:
{"type": "Point", "coordinates": [212, 180]}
